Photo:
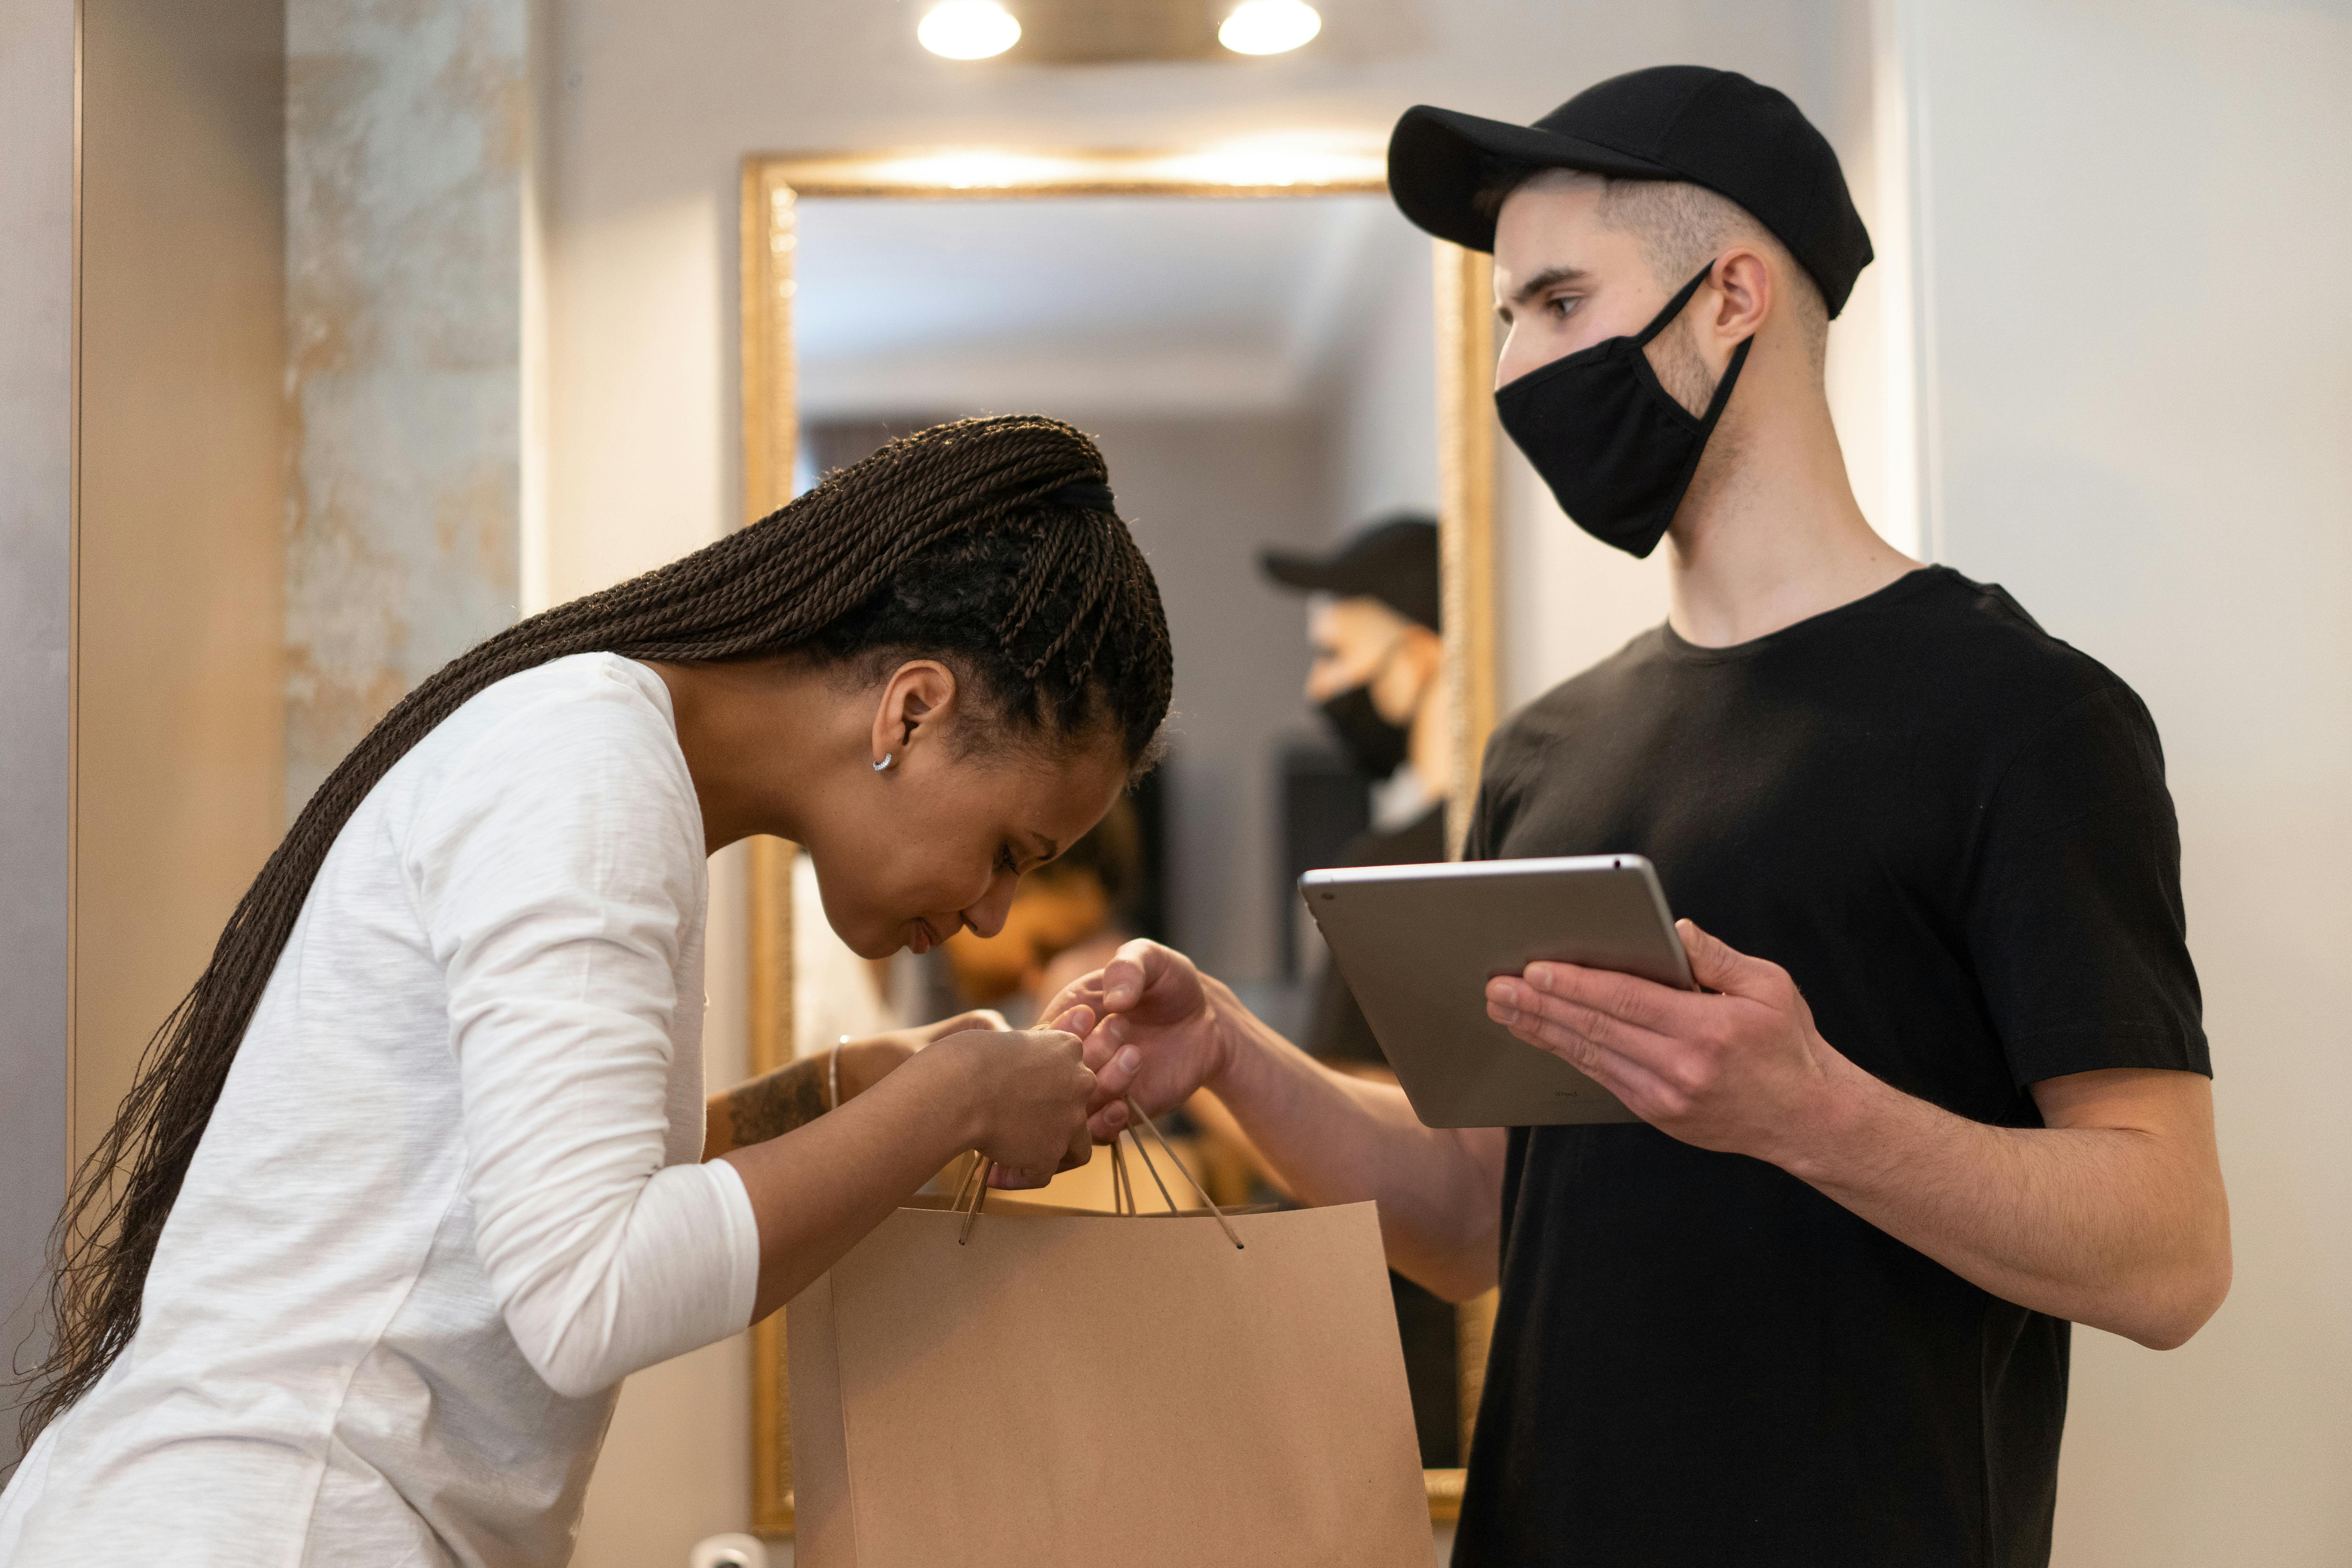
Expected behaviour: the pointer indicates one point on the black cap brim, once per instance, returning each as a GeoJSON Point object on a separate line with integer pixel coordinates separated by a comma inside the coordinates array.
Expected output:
{"type": "Point", "coordinates": [1394, 561]}
{"type": "Point", "coordinates": [1308, 572]}
{"type": "Point", "coordinates": [1440, 160]}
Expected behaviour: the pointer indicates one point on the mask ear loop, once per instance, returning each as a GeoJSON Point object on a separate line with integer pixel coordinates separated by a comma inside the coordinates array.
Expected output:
{"type": "Point", "coordinates": [1664, 319]}
{"type": "Point", "coordinates": [1722, 397]}
{"type": "Point", "coordinates": [1674, 307]}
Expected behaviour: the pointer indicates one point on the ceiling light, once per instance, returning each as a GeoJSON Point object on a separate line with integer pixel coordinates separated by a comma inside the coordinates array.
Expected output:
{"type": "Point", "coordinates": [1268, 26]}
{"type": "Point", "coordinates": [971, 29]}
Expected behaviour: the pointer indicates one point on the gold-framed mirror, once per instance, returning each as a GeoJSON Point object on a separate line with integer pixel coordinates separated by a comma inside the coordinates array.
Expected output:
{"type": "Point", "coordinates": [773, 188]}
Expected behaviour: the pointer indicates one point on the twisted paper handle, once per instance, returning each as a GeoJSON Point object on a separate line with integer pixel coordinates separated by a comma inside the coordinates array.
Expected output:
{"type": "Point", "coordinates": [1122, 1186]}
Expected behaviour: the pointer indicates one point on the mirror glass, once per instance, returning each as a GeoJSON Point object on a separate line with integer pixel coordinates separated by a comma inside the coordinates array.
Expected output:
{"type": "Point", "coordinates": [1260, 374]}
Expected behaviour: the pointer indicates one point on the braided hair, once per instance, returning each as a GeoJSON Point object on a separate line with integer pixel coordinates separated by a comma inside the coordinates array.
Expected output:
{"type": "Point", "coordinates": [989, 543]}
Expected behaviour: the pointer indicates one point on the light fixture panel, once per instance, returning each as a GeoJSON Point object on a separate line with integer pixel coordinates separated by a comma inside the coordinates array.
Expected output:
{"type": "Point", "coordinates": [968, 29]}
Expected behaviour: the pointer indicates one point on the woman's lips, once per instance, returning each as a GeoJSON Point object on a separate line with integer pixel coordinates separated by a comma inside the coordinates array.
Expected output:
{"type": "Point", "coordinates": [926, 937]}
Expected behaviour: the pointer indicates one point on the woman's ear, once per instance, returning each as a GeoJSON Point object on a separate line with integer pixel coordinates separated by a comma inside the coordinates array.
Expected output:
{"type": "Point", "coordinates": [918, 702]}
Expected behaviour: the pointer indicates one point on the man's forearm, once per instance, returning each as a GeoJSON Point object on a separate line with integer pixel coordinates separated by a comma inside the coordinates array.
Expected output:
{"type": "Point", "coordinates": [1335, 1139]}
{"type": "Point", "coordinates": [2120, 1226]}
{"type": "Point", "coordinates": [2112, 1215]}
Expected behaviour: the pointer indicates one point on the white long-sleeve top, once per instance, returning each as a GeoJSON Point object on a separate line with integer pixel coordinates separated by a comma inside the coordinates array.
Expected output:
{"type": "Point", "coordinates": [451, 1195]}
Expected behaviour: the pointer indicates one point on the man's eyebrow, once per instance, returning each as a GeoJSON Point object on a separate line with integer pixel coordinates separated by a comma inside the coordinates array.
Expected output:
{"type": "Point", "coordinates": [1547, 278]}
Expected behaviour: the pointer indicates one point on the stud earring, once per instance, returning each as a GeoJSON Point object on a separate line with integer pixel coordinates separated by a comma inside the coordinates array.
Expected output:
{"type": "Point", "coordinates": [886, 761]}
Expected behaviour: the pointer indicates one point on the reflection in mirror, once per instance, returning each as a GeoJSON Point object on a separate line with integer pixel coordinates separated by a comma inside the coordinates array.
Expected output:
{"type": "Point", "coordinates": [1260, 375]}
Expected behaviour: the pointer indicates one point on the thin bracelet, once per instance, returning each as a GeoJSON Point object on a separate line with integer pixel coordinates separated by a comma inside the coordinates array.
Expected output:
{"type": "Point", "coordinates": [833, 1076]}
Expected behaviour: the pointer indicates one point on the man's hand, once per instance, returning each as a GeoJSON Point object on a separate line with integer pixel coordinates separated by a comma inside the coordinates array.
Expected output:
{"type": "Point", "coordinates": [1160, 1039]}
{"type": "Point", "coordinates": [1743, 1071]}
{"type": "Point", "coordinates": [1169, 1031]}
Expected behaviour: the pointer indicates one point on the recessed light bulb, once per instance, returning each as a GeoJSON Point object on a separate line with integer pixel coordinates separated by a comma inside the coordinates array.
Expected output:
{"type": "Point", "coordinates": [968, 29]}
{"type": "Point", "coordinates": [1269, 26]}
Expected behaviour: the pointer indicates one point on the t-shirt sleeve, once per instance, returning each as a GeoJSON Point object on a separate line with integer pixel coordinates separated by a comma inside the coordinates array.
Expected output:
{"type": "Point", "coordinates": [556, 870]}
{"type": "Point", "coordinates": [1480, 840]}
{"type": "Point", "coordinates": [2074, 920]}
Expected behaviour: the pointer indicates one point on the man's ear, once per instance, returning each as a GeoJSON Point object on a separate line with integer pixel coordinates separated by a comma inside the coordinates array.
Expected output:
{"type": "Point", "coordinates": [918, 702]}
{"type": "Point", "coordinates": [1744, 294]}
{"type": "Point", "coordinates": [1426, 648]}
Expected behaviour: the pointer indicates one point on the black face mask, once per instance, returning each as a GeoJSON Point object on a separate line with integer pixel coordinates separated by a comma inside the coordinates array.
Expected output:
{"type": "Point", "coordinates": [1616, 448]}
{"type": "Point", "coordinates": [1374, 745]}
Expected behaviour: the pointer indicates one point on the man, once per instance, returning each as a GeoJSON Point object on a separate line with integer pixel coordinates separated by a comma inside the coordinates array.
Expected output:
{"type": "Point", "coordinates": [1814, 1308]}
{"type": "Point", "coordinates": [1378, 677]}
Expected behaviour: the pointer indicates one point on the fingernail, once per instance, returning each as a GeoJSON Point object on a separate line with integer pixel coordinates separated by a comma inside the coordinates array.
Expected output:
{"type": "Point", "coordinates": [1129, 1060]}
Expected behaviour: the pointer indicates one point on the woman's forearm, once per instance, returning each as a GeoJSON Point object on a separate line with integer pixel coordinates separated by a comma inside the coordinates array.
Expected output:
{"type": "Point", "coordinates": [1019, 1098]}
{"type": "Point", "coordinates": [818, 1188]}
{"type": "Point", "coordinates": [793, 1095]}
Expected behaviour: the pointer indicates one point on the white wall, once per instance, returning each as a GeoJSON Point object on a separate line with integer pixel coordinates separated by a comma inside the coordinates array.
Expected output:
{"type": "Point", "coordinates": [1380, 398]}
{"type": "Point", "coordinates": [2142, 383]}
{"type": "Point", "coordinates": [1205, 495]}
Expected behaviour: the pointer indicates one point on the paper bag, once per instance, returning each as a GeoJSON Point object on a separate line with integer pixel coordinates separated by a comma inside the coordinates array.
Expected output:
{"type": "Point", "coordinates": [1064, 1391]}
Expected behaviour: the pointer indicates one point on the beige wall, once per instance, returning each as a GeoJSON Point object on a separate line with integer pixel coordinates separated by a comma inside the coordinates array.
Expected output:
{"type": "Point", "coordinates": [38, 43]}
{"type": "Point", "coordinates": [180, 633]}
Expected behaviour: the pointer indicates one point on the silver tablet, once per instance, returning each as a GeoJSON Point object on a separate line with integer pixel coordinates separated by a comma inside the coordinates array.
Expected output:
{"type": "Point", "coordinates": [1418, 943]}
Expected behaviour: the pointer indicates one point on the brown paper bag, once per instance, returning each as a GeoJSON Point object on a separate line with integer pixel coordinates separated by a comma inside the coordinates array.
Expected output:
{"type": "Point", "coordinates": [1064, 1391]}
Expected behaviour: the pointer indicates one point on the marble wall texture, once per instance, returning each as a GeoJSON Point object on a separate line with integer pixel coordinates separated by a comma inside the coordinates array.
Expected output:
{"type": "Point", "coordinates": [408, 134]}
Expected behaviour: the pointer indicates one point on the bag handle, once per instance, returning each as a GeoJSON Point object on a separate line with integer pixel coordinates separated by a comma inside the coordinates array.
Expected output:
{"type": "Point", "coordinates": [1122, 1185]}
{"type": "Point", "coordinates": [1137, 1112]}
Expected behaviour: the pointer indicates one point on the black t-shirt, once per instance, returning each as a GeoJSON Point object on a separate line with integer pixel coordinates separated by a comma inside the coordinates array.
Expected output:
{"type": "Point", "coordinates": [1952, 829]}
{"type": "Point", "coordinates": [1338, 1032]}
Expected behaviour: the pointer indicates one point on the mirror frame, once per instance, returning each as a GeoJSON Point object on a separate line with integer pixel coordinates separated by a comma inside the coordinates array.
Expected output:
{"type": "Point", "coordinates": [772, 184]}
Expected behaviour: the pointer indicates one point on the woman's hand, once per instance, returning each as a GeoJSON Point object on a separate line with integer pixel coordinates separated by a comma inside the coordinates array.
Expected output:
{"type": "Point", "coordinates": [1028, 1093]}
{"type": "Point", "coordinates": [865, 1062]}
{"type": "Point", "coordinates": [1162, 1036]}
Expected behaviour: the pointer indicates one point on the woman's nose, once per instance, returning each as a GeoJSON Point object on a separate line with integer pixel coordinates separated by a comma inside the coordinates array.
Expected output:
{"type": "Point", "coordinates": [987, 917]}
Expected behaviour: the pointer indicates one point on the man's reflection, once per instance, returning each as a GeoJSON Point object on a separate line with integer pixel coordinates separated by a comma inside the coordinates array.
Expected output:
{"type": "Point", "coordinates": [1378, 677]}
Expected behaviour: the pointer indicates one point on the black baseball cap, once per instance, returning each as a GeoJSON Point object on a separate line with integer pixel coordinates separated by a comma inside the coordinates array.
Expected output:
{"type": "Point", "coordinates": [1393, 561]}
{"type": "Point", "coordinates": [1713, 128]}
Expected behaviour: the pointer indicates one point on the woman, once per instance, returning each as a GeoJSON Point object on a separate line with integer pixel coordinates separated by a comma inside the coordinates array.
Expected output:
{"type": "Point", "coordinates": [412, 1179]}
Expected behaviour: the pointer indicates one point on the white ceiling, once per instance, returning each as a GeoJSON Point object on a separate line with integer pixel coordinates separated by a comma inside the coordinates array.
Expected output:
{"type": "Point", "coordinates": [1126, 305]}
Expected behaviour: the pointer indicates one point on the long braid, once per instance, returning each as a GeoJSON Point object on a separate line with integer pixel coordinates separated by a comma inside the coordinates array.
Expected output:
{"type": "Point", "coordinates": [953, 539]}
